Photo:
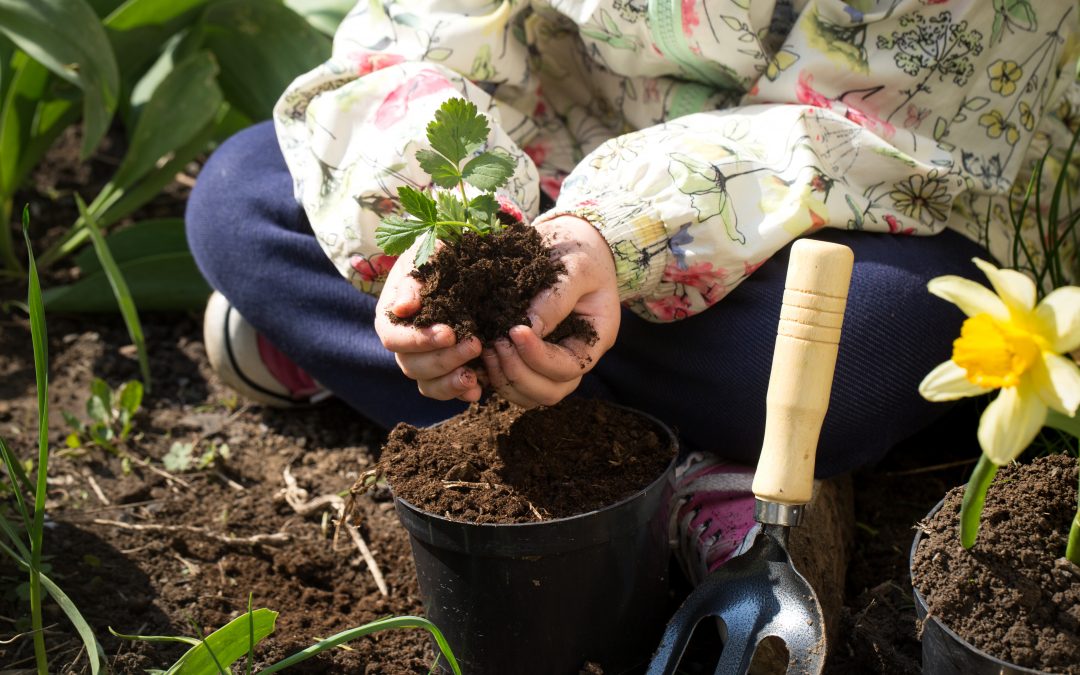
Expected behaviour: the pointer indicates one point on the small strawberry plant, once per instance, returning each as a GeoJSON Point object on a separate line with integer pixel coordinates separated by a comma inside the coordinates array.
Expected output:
{"type": "Point", "coordinates": [455, 135]}
{"type": "Point", "coordinates": [460, 287]}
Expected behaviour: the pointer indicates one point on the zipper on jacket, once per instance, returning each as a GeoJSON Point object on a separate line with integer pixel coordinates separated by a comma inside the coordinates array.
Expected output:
{"type": "Point", "coordinates": [688, 98]}
{"type": "Point", "coordinates": [665, 23]}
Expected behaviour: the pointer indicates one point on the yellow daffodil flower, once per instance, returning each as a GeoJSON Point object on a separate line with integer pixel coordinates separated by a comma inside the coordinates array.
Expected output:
{"type": "Point", "coordinates": [1010, 344]}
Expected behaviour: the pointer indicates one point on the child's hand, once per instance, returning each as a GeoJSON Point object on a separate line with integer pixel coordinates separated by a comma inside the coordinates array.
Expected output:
{"type": "Point", "coordinates": [431, 355]}
{"type": "Point", "coordinates": [528, 371]}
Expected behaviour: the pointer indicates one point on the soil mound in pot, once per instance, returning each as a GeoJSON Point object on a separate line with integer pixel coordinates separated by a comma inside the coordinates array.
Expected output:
{"type": "Point", "coordinates": [1013, 595]}
{"type": "Point", "coordinates": [497, 463]}
{"type": "Point", "coordinates": [482, 286]}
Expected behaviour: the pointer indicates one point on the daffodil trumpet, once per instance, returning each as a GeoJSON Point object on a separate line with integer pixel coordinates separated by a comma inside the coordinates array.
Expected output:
{"type": "Point", "coordinates": [1010, 344]}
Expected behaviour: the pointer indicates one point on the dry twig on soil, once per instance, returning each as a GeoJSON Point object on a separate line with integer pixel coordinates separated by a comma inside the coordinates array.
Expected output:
{"type": "Point", "coordinates": [296, 497]}
{"type": "Point", "coordinates": [274, 539]}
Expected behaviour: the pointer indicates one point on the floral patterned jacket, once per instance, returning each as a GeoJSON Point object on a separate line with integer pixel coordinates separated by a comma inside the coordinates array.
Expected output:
{"type": "Point", "coordinates": [699, 136]}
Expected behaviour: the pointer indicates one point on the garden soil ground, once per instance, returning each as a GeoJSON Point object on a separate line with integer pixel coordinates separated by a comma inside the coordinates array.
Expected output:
{"type": "Point", "coordinates": [145, 552]}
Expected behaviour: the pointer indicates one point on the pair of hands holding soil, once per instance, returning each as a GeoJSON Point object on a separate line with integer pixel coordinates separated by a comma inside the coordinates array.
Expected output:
{"type": "Point", "coordinates": [523, 369]}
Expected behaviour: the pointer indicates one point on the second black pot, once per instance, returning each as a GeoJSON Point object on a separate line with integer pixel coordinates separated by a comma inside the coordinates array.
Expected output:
{"type": "Point", "coordinates": [546, 598]}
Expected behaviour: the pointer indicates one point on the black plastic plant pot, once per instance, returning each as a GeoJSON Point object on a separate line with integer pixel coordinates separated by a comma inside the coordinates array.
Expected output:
{"type": "Point", "coordinates": [546, 598]}
{"type": "Point", "coordinates": [943, 651]}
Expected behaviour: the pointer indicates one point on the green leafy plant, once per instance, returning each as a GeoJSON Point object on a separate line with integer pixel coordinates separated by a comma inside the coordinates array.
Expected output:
{"type": "Point", "coordinates": [27, 555]}
{"type": "Point", "coordinates": [455, 159]}
{"type": "Point", "coordinates": [110, 413]}
{"type": "Point", "coordinates": [182, 457]}
{"type": "Point", "coordinates": [215, 653]}
{"type": "Point", "coordinates": [179, 75]}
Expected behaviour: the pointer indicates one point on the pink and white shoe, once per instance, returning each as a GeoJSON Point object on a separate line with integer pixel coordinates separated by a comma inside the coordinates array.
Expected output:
{"type": "Point", "coordinates": [249, 364]}
{"type": "Point", "coordinates": [712, 513]}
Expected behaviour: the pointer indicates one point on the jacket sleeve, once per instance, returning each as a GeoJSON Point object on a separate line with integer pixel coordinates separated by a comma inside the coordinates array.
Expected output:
{"type": "Point", "coordinates": [349, 129]}
{"type": "Point", "coordinates": [875, 121]}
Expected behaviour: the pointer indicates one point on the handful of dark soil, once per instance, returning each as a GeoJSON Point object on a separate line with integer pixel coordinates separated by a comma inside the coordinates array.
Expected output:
{"type": "Point", "coordinates": [483, 285]}
{"type": "Point", "coordinates": [498, 463]}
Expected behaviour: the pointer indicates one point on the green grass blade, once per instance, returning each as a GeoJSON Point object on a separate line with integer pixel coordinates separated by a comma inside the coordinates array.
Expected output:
{"type": "Point", "coordinates": [203, 643]}
{"type": "Point", "coordinates": [86, 634]}
{"type": "Point", "coordinates": [120, 290]}
{"type": "Point", "coordinates": [974, 498]}
{"type": "Point", "coordinates": [373, 627]}
{"type": "Point", "coordinates": [16, 540]}
{"type": "Point", "coordinates": [191, 642]}
{"type": "Point", "coordinates": [41, 374]}
{"type": "Point", "coordinates": [19, 481]}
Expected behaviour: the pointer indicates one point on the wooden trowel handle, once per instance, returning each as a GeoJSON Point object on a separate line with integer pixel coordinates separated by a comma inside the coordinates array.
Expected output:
{"type": "Point", "coordinates": [815, 295]}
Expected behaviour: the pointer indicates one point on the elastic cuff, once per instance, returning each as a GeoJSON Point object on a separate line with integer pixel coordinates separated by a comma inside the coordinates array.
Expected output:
{"type": "Point", "coordinates": [635, 233]}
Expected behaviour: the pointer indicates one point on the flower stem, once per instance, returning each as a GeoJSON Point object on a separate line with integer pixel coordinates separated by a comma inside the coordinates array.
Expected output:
{"type": "Point", "coordinates": [974, 498]}
{"type": "Point", "coordinates": [1072, 549]}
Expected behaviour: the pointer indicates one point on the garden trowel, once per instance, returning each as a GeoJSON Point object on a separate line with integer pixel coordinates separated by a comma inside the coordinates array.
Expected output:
{"type": "Point", "coordinates": [759, 594]}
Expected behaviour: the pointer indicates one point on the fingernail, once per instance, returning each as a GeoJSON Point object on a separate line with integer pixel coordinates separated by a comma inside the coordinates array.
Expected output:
{"type": "Point", "coordinates": [467, 379]}
{"type": "Point", "coordinates": [517, 334]}
{"type": "Point", "coordinates": [489, 353]}
{"type": "Point", "coordinates": [502, 346]}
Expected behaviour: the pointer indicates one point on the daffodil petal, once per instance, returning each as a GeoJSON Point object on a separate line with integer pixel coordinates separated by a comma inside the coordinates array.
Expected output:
{"type": "Point", "coordinates": [972, 298]}
{"type": "Point", "coordinates": [1014, 288]}
{"type": "Point", "coordinates": [1057, 380]}
{"type": "Point", "coordinates": [1010, 423]}
{"type": "Point", "coordinates": [1059, 313]}
{"type": "Point", "coordinates": [948, 382]}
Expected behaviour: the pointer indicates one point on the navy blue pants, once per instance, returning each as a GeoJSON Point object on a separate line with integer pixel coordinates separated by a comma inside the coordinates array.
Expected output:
{"type": "Point", "coordinates": [706, 375]}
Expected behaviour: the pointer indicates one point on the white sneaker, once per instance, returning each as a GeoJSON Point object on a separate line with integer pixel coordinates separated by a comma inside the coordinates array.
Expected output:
{"type": "Point", "coordinates": [249, 364]}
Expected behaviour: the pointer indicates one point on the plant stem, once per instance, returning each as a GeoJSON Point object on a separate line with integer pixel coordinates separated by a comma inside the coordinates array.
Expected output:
{"type": "Point", "coordinates": [1072, 549]}
{"type": "Point", "coordinates": [974, 498]}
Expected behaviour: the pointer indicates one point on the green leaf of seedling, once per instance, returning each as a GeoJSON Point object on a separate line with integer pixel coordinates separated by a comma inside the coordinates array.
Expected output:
{"type": "Point", "coordinates": [86, 634]}
{"type": "Point", "coordinates": [488, 171]}
{"type": "Point", "coordinates": [72, 421]}
{"type": "Point", "coordinates": [97, 410]}
{"type": "Point", "coordinates": [482, 209]}
{"type": "Point", "coordinates": [100, 390]}
{"type": "Point", "coordinates": [425, 249]}
{"type": "Point", "coordinates": [457, 129]}
{"type": "Point", "coordinates": [67, 37]}
{"type": "Point", "coordinates": [156, 638]}
{"type": "Point", "coordinates": [179, 457]}
{"type": "Point", "coordinates": [366, 629]}
{"type": "Point", "coordinates": [451, 207]}
{"type": "Point", "coordinates": [131, 397]}
{"type": "Point", "coordinates": [397, 234]}
{"type": "Point", "coordinates": [228, 644]}
{"type": "Point", "coordinates": [444, 173]}
{"type": "Point", "coordinates": [419, 204]}
{"type": "Point", "coordinates": [120, 289]}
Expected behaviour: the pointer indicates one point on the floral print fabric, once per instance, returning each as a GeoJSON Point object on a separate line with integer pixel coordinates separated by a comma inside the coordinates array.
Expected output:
{"type": "Point", "coordinates": [699, 136]}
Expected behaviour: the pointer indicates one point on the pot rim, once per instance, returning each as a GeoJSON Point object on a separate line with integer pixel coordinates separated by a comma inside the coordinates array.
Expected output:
{"type": "Point", "coordinates": [920, 601]}
{"type": "Point", "coordinates": [660, 478]}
